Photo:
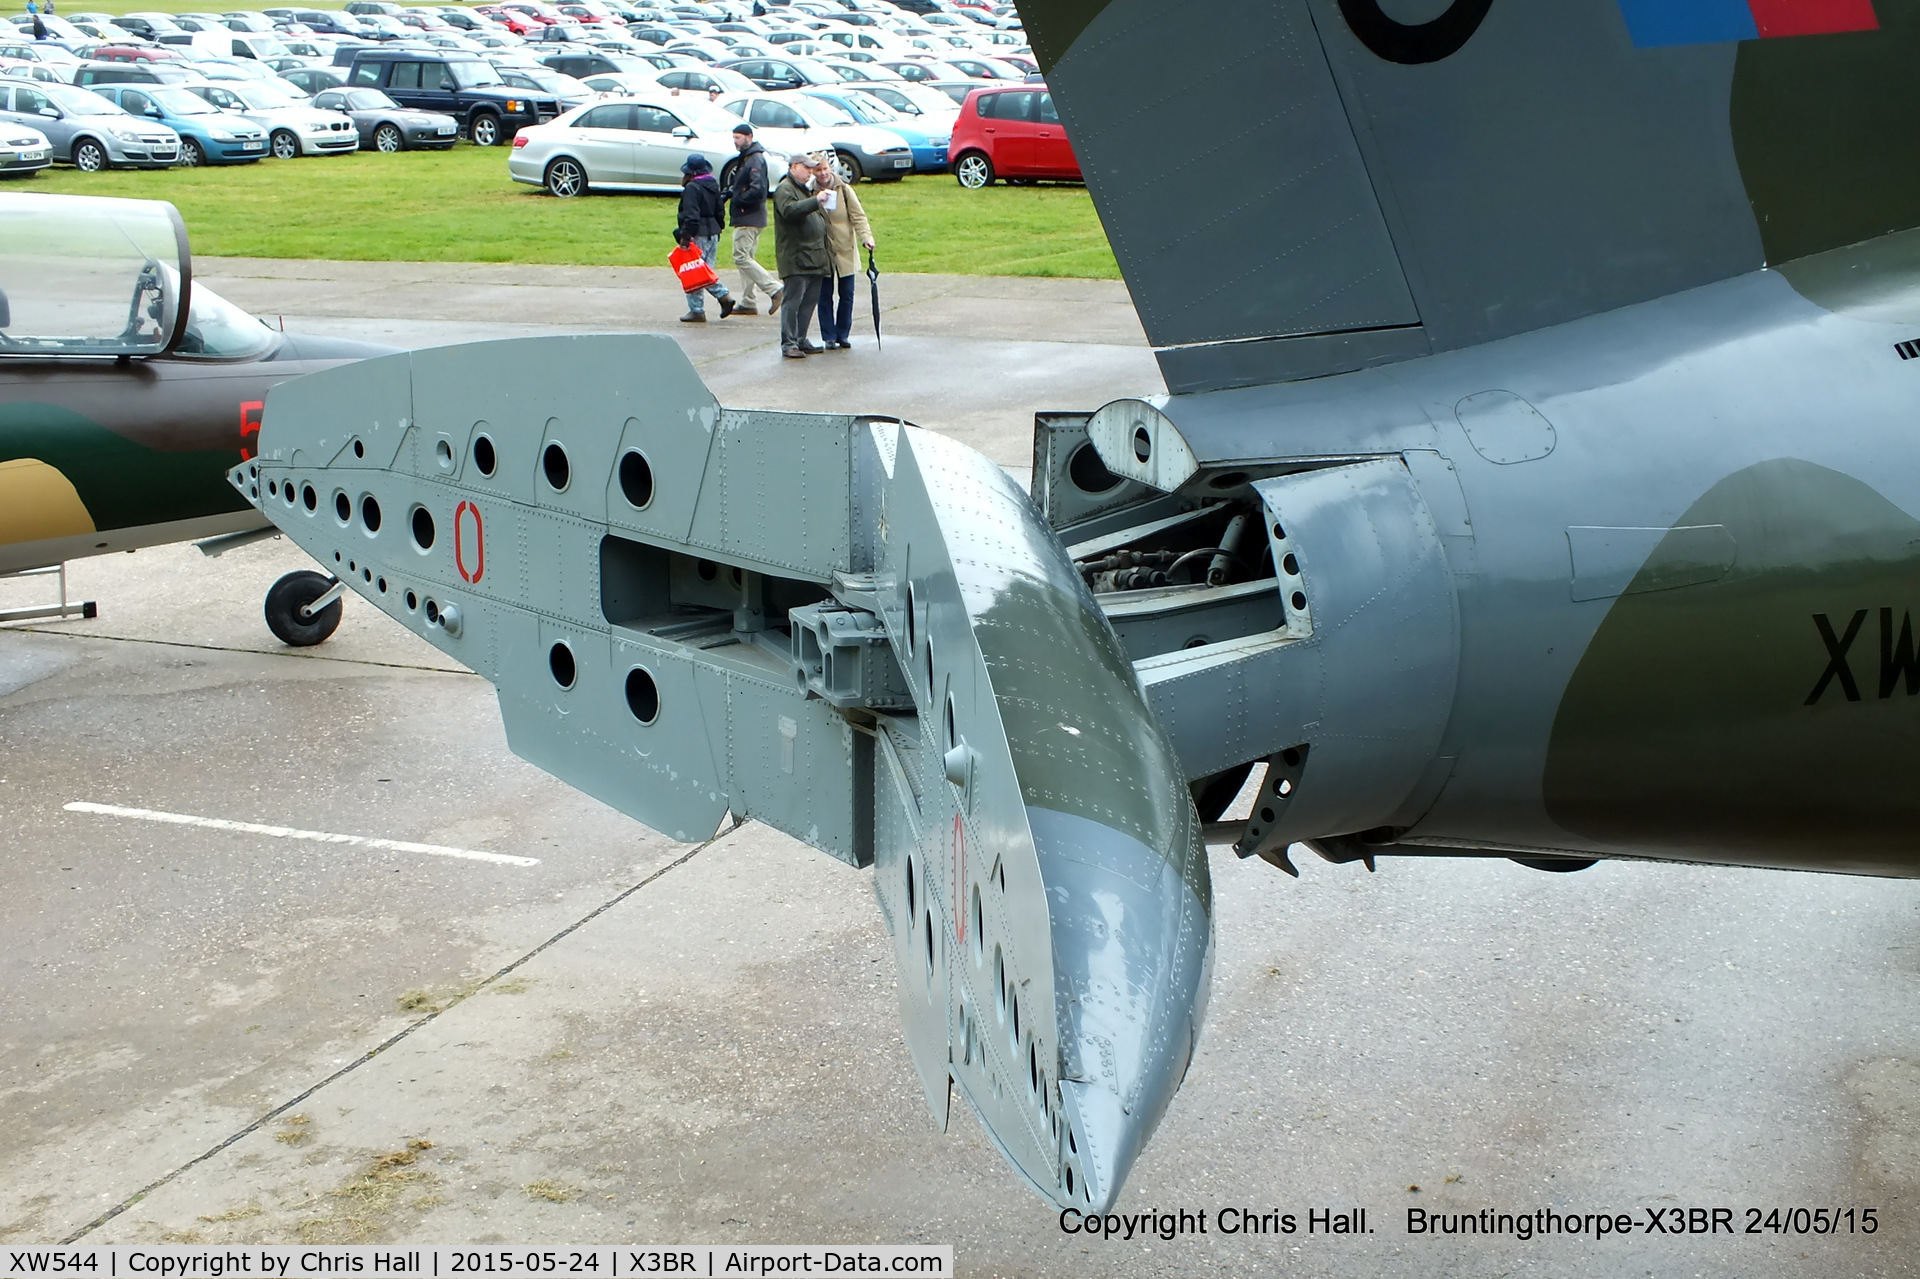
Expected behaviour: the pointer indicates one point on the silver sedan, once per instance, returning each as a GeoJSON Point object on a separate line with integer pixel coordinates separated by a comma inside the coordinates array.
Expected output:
{"type": "Point", "coordinates": [621, 144]}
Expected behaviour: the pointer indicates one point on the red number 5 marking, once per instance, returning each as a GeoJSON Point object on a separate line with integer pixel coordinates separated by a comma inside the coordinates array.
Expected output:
{"type": "Point", "coordinates": [250, 411]}
{"type": "Point", "coordinates": [460, 542]}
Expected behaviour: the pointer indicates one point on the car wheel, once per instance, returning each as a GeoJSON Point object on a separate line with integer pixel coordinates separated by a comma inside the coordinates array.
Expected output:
{"type": "Point", "coordinates": [89, 156]}
{"type": "Point", "coordinates": [973, 171]}
{"type": "Point", "coordinates": [388, 138]}
{"type": "Point", "coordinates": [285, 145]}
{"type": "Point", "coordinates": [191, 155]}
{"type": "Point", "coordinates": [566, 179]}
{"type": "Point", "coordinates": [726, 175]}
{"type": "Point", "coordinates": [847, 167]}
{"type": "Point", "coordinates": [485, 129]}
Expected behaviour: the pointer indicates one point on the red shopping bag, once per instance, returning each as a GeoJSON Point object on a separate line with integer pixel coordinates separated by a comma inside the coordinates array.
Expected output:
{"type": "Point", "coordinates": [692, 267]}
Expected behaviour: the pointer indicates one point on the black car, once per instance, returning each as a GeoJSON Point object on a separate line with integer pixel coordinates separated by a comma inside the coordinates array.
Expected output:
{"type": "Point", "coordinates": [580, 65]}
{"type": "Point", "coordinates": [385, 125]}
{"type": "Point", "coordinates": [457, 84]}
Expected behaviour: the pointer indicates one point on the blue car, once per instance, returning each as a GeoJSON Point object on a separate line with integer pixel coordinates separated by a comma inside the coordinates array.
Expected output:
{"type": "Point", "coordinates": [929, 149]}
{"type": "Point", "coordinates": [208, 135]}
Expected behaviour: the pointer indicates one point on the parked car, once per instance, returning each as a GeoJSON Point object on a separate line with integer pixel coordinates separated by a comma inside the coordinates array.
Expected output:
{"type": "Point", "coordinates": [385, 125]}
{"type": "Point", "coordinates": [294, 127]}
{"type": "Point", "coordinates": [89, 74]}
{"type": "Point", "coordinates": [704, 80]}
{"type": "Point", "coordinates": [138, 53]}
{"type": "Point", "coordinates": [581, 63]}
{"type": "Point", "coordinates": [569, 92]}
{"type": "Point", "coordinates": [922, 70]}
{"type": "Point", "coordinates": [41, 71]}
{"type": "Point", "coordinates": [463, 87]}
{"type": "Point", "coordinates": [916, 101]}
{"type": "Point", "coordinates": [208, 135]}
{"type": "Point", "coordinates": [85, 130]}
{"type": "Point", "coordinates": [44, 52]}
{"type": "Point", "coordinates": [623, 144]}
{"type": "Point", "coordinates": [792, 123]}
{"type": "Point", "coordinates": [23, 150]}
{"type": "Point", "coordinates": [781, 73]}
{"type": "Point", "coordinates": [312, 80]}
{"type": "Point", "coordinates": [1010, 133]}
{"type": "Point", "coordinates": [928, 142]}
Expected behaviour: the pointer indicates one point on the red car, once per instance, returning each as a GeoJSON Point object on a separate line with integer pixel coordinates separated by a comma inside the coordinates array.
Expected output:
{"type": "Point", "coordinates": [137, 53]}
{"type": "Point", "coordinates": [1010, 133]}
{"type": "Point", "coordinates": [517, 23]}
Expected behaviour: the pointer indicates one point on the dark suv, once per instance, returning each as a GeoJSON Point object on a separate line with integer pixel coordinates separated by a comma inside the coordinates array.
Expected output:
{"type": "Point", "coordinates": [455, 84]}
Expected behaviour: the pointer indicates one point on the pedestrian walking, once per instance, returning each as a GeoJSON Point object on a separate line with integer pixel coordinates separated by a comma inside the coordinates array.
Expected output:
{"type": "Point", "coordinates": [800, 252]}
{"type": "Point", "coordinates": [847, 233]}
{"type": "Point", "coordinates": [39, 27]}
{"type": "Point", "coordinates": [747, 201]}
{"type": "Point", "coordinates": [703, 215]}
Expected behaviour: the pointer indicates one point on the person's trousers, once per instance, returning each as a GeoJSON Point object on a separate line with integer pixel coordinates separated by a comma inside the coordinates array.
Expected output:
{"type": "Point", "coordinates": [697, 300]}
{"type": "Point", "coordinates": [746, 239]}
{"type": "Point", "coordinates": [836, 323]}
{"type": "Point", "coordinates": [797, 305]}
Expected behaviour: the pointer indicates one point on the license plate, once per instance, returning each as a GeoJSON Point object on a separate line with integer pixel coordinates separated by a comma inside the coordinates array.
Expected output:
{"type": "Point", "coordinates": [32, 155]}
{"type": "Point", "coordinates": [903, 164]}
{"type": "Point", "coordinates": [446, 129]}
{"type": "Point", "coordinates": [253, 146]}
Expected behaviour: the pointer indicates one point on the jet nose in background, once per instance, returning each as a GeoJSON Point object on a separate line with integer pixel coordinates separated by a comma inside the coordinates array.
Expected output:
{"type": "Point", "coordinates": [1132, 953]}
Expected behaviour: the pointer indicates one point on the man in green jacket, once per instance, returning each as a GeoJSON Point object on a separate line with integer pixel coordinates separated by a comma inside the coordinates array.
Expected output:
{"type": "Point", "coordinates": [800, 255]}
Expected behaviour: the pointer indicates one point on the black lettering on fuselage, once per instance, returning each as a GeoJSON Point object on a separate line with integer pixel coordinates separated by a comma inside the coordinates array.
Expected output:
{"type": "Point", "coordinates": [1837, 667]}
{"type": "Point", "coordinates": [1896, 656]}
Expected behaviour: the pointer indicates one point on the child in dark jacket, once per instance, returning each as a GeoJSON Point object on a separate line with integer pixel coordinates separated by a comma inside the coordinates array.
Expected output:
{"type": "Point", "coordinates": [703, 215]}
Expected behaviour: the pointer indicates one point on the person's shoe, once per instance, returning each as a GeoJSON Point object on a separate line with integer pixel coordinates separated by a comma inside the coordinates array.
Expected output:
{"type": "Point", "coordinates": [748, 309]}
{"type": "Point", "coordinates": [727, 307]}
{"type": "Point", "coordinates": [794, 353]}
{"type": "Point", "coordinates": [811, 349]}
{"type": "Point", "coordinates": [839, 346]}
{"type": "Point", "coordinates": [694, 317]}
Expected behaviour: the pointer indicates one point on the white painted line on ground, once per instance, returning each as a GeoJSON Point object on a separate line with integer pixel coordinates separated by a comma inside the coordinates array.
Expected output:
{"type": "Point", "coordinates": [288, 832]}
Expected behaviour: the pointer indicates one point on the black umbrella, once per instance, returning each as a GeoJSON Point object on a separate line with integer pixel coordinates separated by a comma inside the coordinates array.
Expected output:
{"type": "Point", "coordinates": [873, 291]}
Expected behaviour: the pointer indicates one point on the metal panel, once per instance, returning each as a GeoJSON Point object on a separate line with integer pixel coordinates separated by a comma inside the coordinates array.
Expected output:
{"type": "Point", "coordinates": [1245, 217]}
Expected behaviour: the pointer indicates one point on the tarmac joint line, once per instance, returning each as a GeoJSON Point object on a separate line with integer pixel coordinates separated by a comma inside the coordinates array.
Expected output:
{"type": "Point", "coordinates": [395, 1038]}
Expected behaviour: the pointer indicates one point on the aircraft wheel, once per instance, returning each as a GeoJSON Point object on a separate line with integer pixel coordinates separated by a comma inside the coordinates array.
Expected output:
{"type": "Point", "coordinates": [291, 594]}
{"type": "Point", "coordinates": [89, 156]}
{"type": "Point", "coordinates": [388, 138]}
{"type": "Point", "coordinates": [285, 145]}
{"type": "Point", "coordinates": [191, 155]}
{"type": "Point", "coordinates": [973, 171]}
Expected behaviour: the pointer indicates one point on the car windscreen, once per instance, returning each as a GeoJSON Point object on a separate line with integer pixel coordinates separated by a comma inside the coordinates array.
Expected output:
{"type": "Point", "coordinates": [180, 102]}
{"type": "Point", "coordinates": [80, 101]}
{"type": "Point", "coordinates": [820, 111]}
{"type": "Point", "coordinates": [470, 75]}
{"type": "Point", "coordinates": [371, 100]}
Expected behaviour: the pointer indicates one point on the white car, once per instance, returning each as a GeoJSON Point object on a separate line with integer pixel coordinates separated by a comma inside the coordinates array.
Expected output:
{"type": "Point", "coordinates": [630, 143]}
{"type": "Point", "coordinates": [23, 150]}
{"type": "Point", "coordinates": [792, 123]}
{"type": "Point", "coordinates": [293, 128]}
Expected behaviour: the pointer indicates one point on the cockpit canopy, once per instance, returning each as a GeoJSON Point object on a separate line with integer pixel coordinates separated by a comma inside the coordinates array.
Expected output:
{"type": "Point", "coordinates": [85, 276]}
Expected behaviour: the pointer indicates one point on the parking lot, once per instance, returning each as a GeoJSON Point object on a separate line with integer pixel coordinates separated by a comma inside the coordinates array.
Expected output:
{"type": "Point", "coordinates": [632, 1039]}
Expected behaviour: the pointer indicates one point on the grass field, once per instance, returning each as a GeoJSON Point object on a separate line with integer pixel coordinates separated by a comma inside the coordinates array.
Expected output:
{"type": "Point", "coordinates": [460, 206]}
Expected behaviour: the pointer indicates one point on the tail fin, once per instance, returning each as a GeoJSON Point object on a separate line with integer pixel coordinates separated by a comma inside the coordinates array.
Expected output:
{"type": "Point", "coordinates": [1305, 187]}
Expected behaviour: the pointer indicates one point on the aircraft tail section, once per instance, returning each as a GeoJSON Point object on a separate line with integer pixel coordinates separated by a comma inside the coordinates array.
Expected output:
{"type": "Point", "coordinates": [1306, 187]}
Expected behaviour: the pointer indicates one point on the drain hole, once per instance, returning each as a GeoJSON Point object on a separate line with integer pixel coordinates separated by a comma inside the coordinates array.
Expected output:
{"type": "Point", "coordinates": [708, 570]}
{"type": "Point", "coordinates": [359, 449]}
{"type": "Point", "coordinates": [413, 601]}
{"type": "Point", "coordinates": [1088, 473]}
{"type": "Point", "coordinates": [433, 613]}
{"type": "Point", "coordinates": [370, 513]}
{"type": "Point", "coordinates": [1291, 565]}
{"type": "Point", "coordinates": [443, 454]}
{"type": "Point", "coordinates": [1299, 599]}
{"type": "Point", "coordinates": [343, 508]}
{"type": "Point", "coordinates": [636, 479]}
{"type": "Point", "coordinates": [643, 696]}
{"type": "Point", "coordinates": [554, 463]}
{"type": "Point", "coordinates": [483, 455]}
{"type": "Point", "coordinates": [560, 662]}
{"type": "Point", "coordinates": [311, 498]}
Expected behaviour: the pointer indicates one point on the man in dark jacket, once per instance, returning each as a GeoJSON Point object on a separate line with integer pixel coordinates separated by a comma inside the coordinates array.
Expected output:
{"type": "Point", "coordinates": [800, 253]}
{"type": "Point", "coordinates": [703, 215]}
{"type": "Point", "coordinates": [747, 198]}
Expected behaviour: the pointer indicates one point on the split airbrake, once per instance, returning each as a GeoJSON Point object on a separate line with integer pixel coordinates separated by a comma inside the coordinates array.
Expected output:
{"type": "Point", "coordinates": [1538, 480]}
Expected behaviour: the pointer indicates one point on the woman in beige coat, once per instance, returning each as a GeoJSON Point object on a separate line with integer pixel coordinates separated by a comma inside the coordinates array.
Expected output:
{"type": "Point", "coordinates": [847, 232]}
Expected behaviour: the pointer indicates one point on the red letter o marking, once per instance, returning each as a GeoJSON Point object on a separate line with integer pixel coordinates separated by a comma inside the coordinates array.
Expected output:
{"type": "Point", "coordinates": [460, 514]}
